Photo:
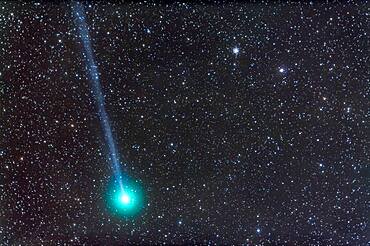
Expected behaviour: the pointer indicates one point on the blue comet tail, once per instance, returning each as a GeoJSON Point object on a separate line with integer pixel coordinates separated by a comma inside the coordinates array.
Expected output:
{"type": "Point", "coordinates": [92, 70]}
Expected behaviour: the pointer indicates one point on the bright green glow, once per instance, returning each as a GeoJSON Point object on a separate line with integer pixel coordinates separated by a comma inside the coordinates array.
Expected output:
{"type": "Point", "coordinates": [126, 201]}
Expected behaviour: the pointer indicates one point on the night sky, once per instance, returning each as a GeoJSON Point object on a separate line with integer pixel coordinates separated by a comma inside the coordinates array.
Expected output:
{"type": "Point", "coordinates": [243, 123]}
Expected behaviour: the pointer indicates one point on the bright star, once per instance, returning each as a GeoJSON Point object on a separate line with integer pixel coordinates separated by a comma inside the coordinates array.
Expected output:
{"type": "Point", "coordinates": [281, 70]}
{"type": "Point", "coordinates": [236, 50]}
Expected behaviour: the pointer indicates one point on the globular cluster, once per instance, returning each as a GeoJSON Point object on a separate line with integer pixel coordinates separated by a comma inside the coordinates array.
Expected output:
{"type": "Point", "coordinates": [244, 123]}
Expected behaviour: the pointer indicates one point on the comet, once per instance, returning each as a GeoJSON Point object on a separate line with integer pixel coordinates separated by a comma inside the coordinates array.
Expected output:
{"type": "Point", "coordinates": [124, 195]}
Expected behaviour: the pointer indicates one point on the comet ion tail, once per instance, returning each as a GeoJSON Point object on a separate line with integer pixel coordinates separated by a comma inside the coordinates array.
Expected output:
{"type": "Point", "coordinates": [124, 197]}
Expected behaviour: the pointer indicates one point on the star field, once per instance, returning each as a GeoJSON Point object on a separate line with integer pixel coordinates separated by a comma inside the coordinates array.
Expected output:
{"type": "Point", "coordinates": [244, 123]}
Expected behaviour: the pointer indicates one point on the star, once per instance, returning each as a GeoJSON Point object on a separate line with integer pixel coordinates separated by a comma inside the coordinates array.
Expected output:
{"type": "Point", "coordinates": [236, 50]}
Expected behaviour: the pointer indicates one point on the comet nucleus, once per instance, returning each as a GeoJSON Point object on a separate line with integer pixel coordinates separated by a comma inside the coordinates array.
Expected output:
{"type": "Point", "coordinates": [126, 201]}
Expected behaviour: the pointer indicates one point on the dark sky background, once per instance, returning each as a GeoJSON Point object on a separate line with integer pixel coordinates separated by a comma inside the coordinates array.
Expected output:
{"type": "Point", "coordinates": [245, 123]}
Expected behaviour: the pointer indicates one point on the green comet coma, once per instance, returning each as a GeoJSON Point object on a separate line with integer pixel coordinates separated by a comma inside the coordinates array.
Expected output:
{"type": "Point", "coordinates": [126, 201]}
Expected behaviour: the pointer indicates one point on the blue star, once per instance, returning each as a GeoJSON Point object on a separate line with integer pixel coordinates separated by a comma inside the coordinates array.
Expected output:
{"type": "Point", "coordinates": [236, 50]}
